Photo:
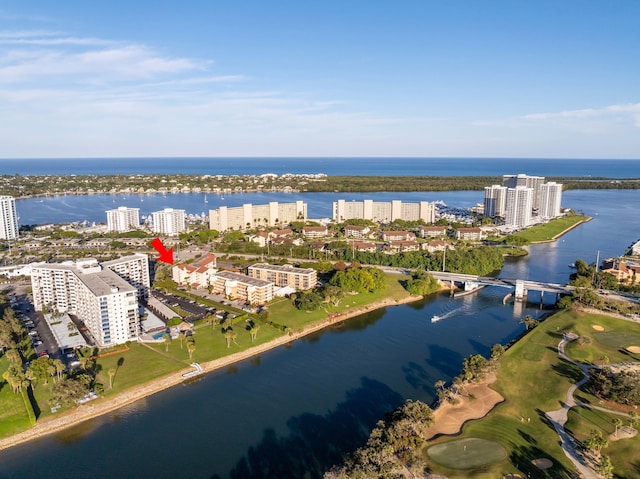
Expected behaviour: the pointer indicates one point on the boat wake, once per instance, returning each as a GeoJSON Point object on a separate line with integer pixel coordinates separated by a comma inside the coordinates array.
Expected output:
{"type": "Point", "coordinates": [439, 317]}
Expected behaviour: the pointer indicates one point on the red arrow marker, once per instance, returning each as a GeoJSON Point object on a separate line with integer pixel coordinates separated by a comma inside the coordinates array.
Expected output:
{"type": "Point", "coordinates": [165, 256]}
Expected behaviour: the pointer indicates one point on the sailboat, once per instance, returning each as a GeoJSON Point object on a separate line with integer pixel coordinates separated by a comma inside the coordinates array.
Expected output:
{"type": "Point", "coordinates": [205, 199]}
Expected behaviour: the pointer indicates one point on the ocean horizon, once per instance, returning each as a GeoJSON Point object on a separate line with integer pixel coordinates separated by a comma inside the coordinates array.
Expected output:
{"type": "Point", "coordinates": [333, 166]}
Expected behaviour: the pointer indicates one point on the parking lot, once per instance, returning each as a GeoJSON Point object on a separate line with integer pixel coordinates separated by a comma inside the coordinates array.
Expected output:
{"type": "Point", "coordinates": [40, 335]}
{"type": "Point", "coordinates": [195, 310]}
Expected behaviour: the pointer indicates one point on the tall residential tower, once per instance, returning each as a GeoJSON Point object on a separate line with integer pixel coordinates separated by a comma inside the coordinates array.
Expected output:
{"type": "Point", "coordinates": [8, 218]}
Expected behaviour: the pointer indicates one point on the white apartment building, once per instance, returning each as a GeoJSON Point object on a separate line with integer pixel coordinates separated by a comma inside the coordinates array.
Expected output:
{"type": "Point", "coordinates": [8, 218]}
{"type": "Point", "coordinates": [250, 216]}
{"type": "Point", "coordinates": [123, 219]}
{"type": "Point", "coordinates": [285, 275]}
{"type": "Point", "coordinates": [495, 201]}
{"type": "Point", "coordinates": [535, 182]}
{"type": "Point", "coordinates": [550, 200]}
{"type": "Point", "coordinates": [106, 303]}
{"type": "Point", "coordinates": [384, 212]}
{"type": "Point", "coordinates": [168, 221]}
{"type": "Point", "coordinates": [134, 269]}
{"type": "Point", "coordinates": [519, 206]}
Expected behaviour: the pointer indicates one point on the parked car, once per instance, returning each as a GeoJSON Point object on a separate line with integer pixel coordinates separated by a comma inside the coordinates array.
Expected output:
{"type": "Point", "coordinates": [37, 343]}
{"type": "Point", "coordinates": [33, 333]}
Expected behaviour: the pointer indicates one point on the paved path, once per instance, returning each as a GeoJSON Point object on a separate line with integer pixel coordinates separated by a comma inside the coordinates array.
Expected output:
{"type": "Point", "coordinates": [559, 417]}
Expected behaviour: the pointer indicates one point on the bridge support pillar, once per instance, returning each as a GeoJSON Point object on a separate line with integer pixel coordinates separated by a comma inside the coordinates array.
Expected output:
{"type": "Point", "coordinates": [520, 292]}
{"type": "Point", "coordinates": [470, 285]}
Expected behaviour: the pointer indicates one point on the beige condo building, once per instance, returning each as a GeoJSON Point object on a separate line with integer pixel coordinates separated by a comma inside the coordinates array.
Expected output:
{"type": "Point", "coordinates": [250, 216]}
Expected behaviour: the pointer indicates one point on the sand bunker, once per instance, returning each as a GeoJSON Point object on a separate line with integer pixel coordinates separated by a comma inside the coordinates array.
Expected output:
{"type": "Point", "coordinates": [624, 432]}
{"type": "Point", "coordinates": [542, 463]}
{"type": "Point", "coordinates": [634, 349]}
{"type": "Point", "coordinates": [597, 327]}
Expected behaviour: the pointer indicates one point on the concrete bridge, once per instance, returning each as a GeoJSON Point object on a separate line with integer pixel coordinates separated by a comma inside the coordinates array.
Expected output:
{"type": "Point", "coordinates": [520, 286]}
{"type": "Point", "coordinates": [471, 282]}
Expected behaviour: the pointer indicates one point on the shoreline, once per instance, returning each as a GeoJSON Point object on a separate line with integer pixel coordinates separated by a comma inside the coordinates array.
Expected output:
{"type": "Point", "coordinates": [93, 410]}
{"type": "Point", "coordinates": [563, 232]}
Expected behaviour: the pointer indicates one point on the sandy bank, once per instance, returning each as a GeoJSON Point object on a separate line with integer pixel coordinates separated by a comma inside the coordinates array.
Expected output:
{"type": "Point", "coordinates": [105, 405]}
{"type": "Point", "coordinates": [449, 418]}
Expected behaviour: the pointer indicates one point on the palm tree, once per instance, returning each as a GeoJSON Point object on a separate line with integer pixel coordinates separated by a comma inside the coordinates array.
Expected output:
{"type": "Point", "coordinates": [617, 422]}
{"type": "Point", "coordinates": [59, 367]}
{"type": "Point", "coordinates": [633, 419]}
{"type": "Point", "coordinates": [167, 341]}
{"type": "Point", "coordinates": [112, 373]}
{"type": "Point", "coordinates": [254, 331]}
{"type": "Point", "coordinates": [605, 360]}
{"type": "Point", "coordinates": [227, 335]}
{"type": "Point", "coordinates": [181, 337]}
{"type": "Point", "coordinates": [529, 322]}
{"type": "Point", "coordinates": [191, 347]}
{"type": "Point", "coordinates": [439, 384]}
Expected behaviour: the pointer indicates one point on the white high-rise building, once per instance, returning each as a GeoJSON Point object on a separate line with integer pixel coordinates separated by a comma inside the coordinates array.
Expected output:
{"type": "Point", "coordinates": [8, 218]}
{"type": "Point", "coordinates": [495, 201]}
{"type": "Point", "coordinates": [134, 269]}
{"type": "Point", "coordinates": [123, 219]}
{"type": "Point", "coordinates": [550, 200]}
{"type": "Point", "coordinates": [519, 206]}
{"type": "Point", "coordinates": [106, 303]}
{"type": "Point", "coordinates": [535, 182]}
{"type": "Point", "coordinates": [384, 211]}
{"type": "Point", "coordinates": [168, 221]}
{"type": "Point", "coordinates": [250, 216]}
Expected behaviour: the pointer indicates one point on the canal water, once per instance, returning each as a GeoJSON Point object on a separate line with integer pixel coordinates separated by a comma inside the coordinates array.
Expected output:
{"type": "Point", "coordinates": [293, 412]}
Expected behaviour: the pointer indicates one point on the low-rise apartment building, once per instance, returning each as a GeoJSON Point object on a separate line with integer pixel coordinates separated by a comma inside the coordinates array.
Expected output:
{"type": "Point", "coordinates": [470, 234]}
{"type": "Point", "coordinates": [285, 275]}
{"type": "Point", "coordinates": [357, 232]}
{"type": "Point", "coordinates": [398, 236]}
{"type": "Point", "coordinates": [433, 231]}
{"type": "Point", "coordinates": [239, 286]}
{"type": "Point", "coordinates": [314, 232]}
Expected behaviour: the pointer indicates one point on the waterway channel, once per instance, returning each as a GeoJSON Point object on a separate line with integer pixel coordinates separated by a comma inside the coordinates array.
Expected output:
{"type": "Point", "coordinates": [294, 411]}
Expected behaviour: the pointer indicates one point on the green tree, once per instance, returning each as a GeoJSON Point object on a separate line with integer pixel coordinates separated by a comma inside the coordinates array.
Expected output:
{"type": "Point", "coordinates": [112, 373]}
{"type": "Point", "coordinates": [167, 342]}
{"type": "Point", "coordinates": [529, 322]}
{"type": "Point", "coordinates": [253, 331]}
{"type": "Point", "coordinates": [497, 350]}
{"type": "Point", "coordinates": [605, 467]}
{"type": "Point", "coordinates": [191, 348]}
{"type": "Point", "coordinates": [595, 442]}
{"type": "Point", "coordinates": [617, 422]}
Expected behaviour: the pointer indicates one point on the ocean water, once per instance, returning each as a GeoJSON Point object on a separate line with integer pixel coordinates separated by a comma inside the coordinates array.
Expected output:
{"type": "Point", "coordinates": [610, 168]}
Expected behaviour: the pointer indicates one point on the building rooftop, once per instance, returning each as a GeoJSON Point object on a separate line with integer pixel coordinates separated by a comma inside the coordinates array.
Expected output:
{"type": "Point", "coordinates": [285, 267]}
{"type": "Point", "coordinates": [243, 278]}
{"type": "Point", "coordinates": [124, 259]}
{"type": "Point", "coordinates": [106, 282]}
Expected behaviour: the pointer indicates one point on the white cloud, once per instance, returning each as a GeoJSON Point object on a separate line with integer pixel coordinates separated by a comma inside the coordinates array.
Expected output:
{"type": "Point", "coordinates": [587, 120]}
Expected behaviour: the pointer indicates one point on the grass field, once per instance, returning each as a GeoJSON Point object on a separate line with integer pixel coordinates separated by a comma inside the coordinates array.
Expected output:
{"type": "Point", "coordinates": [283, 312]}
{"type": "Point", "coordinates": [548, 231]}
{"type": "Point", "coordinates": [623, 453]}
{"type": "Point", "coordinates": [13, 415]}
{"type": "Point", "coordinates": [611, 342]}
{"type": "Point", "coordinates": [467, 453]}
{"type": "Point", "coordinates": [533, 380]}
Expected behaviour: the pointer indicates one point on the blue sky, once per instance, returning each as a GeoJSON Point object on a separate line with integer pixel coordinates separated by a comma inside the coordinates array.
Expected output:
{"type": "Point", "coordinates": [557, 79]}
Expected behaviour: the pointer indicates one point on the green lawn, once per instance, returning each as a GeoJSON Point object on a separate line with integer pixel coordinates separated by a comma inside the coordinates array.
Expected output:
{"type": "Point", "coordinates": [533, 379]}
{"type": "Point", "coordinates": [624, 453]}
{"type": "Point", "coordinates": [13, 415]}
{"type": "Point", "coordinates": [547, 231]}
{"type": "Point", "coordinates": [283, 312]}
{"type": "Point", "coordinates": [467, 453]}
{"type": "Point", "coordinates": [617, 334]}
